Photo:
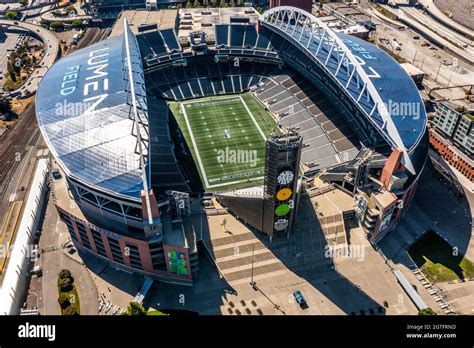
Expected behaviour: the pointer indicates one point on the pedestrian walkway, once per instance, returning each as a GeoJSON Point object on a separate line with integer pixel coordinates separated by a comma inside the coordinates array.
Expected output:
{"type": "Point", "coordinates": [233, 247]}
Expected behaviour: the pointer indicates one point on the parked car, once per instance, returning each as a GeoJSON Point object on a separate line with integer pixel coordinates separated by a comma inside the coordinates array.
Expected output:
{"type": "Point", "coordinates": [300, 299]}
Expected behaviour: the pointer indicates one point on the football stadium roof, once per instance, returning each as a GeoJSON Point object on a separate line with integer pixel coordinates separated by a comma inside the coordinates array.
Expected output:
{"type": "Point", "coordinates": [85, 112]}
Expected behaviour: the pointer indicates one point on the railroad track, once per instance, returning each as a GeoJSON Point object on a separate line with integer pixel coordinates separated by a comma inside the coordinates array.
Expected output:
{"type": "Point", "coordinates": [14, 145]}
{"type": "Point", "coordinates": [92, 36]}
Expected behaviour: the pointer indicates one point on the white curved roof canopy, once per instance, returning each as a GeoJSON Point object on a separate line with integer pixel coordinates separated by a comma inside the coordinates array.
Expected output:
{"type": "Point", "coordinates": [325, 46]}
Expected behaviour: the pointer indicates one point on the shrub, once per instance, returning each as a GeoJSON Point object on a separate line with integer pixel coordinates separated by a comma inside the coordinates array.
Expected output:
{"type": "Point", "coordinates": [65, 273]}
{"type": "Point", "coordinates": [135, 308]}
{"type": "Point", "coordinates": [63, 300]}
{"type": "Point", "coordinates": [56, 26]}
{"type": "Point", "coordinates": [70, 311]}
{"type": "Point", "coordinates": [65, 284]}
{"type": "Point", "coordinates": [427, 311]}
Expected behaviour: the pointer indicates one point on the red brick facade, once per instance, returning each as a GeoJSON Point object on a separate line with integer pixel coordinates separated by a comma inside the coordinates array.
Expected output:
{"type": "Point", "coordinates": [458, 162]}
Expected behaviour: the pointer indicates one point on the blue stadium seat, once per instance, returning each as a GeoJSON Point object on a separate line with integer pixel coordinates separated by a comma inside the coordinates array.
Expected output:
{"type": "Point", "coordinates": [195, 87]}
{"type": "Point", "coordinates": [245, 81]}
{"type": "Point", "coordinates": [187, 94]}
{"type": "Point", "coordinates": [152, 41]}
{"type": "Point", "coordinates": [170, 39]}
{"type": "Point", "coordinates": [236, 84]}
{"type": "Point", "coordinates": [237, 33]}
{"type": "Point", "coordinates": [228, 85]}
{"type": "Point", "coordinates": [222, 36]}
{"type": "Point", "coordinates": [262, 42]}
{"type": "Point", "coordinates": [206, 86]}
{"type": "Point", "coordinates": [250, 36]}
{"type": "Point", "coordinates": [177, 93]}
{"type": "Point", "coordinates": [217, 83]}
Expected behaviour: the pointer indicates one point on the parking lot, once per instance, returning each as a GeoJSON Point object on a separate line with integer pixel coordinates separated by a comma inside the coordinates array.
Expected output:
{"type": "Point", "coordinates": [8, 43]}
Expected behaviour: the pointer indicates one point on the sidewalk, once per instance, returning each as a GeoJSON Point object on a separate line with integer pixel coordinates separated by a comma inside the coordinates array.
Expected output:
{"type": "Point", "coordinates": [53, 234]}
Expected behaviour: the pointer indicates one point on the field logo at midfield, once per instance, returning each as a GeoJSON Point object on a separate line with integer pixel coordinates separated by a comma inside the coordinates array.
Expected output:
{"type": "Point", "coordinates": [239, 156]}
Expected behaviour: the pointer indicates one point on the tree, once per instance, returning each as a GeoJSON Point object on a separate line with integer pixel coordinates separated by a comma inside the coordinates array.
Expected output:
{"type": "Point", "coordinates": [179, 6]}
{"type": "Point", "coordinates": [213, 3]}
{"type": "Point", "coordinates": [26, 61]}
{"type": "Point", "coordinates": [222, 3]}
{"type": "Point", "coordinates": [427, 311]}
{"type": "Point", "coordinates": [70, 311]}
{"type": "Point", "coordinates": [56, 26]}
{"type": "Point", "coordinates": [11, 71]}
{"type": "Point", "coordinates": [77, 23]}
{"type": "Point", "coordinates": [205, 3]}
{"type": "Point", "coordinates": [65, 273]}
{"type": "Point", "coordinates": [197, 4]}
{"type": "Point", "coordinates": [11, 15]}
{"type": "Point", "coordinates": [240, 3]}
{"type": "Point", "coordinates": [65, 284]}
{"type": "Point", "coordinates": [5, 105]}
{"type": "Point", "coordinates": [63, 300]}
{"type": "Point", "coordinates": [189, 4]}
{"type": "Point", "coordinates": [135, 308]}
{"type": "Point", "coordinates": [231, 3]}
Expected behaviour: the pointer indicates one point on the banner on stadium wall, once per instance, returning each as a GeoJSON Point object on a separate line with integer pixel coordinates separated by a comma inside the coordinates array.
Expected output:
{"type": "Point", "coordinates": [177, 261]}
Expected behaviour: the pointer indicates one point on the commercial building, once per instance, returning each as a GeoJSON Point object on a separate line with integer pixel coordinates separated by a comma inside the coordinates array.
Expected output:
{"type": "Point", "coordinates": [452, 155]}
{"type": "Point", "coordinates": [416, 74]}
{"type": "Point", "coordinates": [348, 14]}
{"type": "Point", "coordinates": [452, 138]}
{"type": "Point", "coordinates": [305, 5]}
{"type": "Point", "coordinates": [457, 126]}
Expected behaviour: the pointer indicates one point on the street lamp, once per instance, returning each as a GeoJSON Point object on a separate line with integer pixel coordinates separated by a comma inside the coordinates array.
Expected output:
{"type": "Point", "coordinates": [252, 282]}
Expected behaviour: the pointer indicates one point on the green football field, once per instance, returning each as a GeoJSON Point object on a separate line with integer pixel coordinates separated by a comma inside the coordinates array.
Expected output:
{"type": "Point", "coordinates": [226, 136]}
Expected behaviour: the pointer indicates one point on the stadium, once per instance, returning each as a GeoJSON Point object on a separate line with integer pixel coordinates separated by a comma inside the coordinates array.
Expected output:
{"type": "Point", "coordinates": [140, 125]}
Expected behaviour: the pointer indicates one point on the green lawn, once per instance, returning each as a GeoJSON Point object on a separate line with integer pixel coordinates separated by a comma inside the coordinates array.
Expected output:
{"type": "Point", "coordinates": [155, 313]}
{"type": "Point", "coordinates": [226, 136]}
{"type": "Point", "coordinates": [73, 299]}
{"type": "Point", "coordinates": [437, 259]}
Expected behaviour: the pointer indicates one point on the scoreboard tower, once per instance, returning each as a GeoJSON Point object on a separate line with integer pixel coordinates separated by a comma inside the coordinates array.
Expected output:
{"type": "Point", "coordinates": [282, 161]}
